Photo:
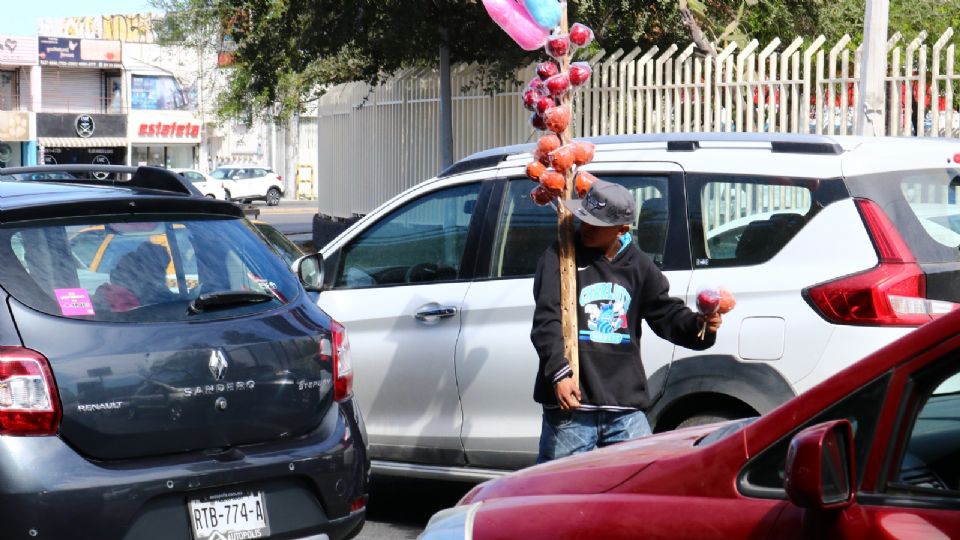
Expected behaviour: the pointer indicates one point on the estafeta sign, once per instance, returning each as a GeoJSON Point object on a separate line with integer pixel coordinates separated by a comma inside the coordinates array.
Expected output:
{"type": "Point", "coordinates": [169, 130]}
{"type": "Point", "coordinates": [164, 127]}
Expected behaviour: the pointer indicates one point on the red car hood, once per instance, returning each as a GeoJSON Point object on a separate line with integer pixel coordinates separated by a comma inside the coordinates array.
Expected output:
{"type": "Point", "coordinates": [592, 472]}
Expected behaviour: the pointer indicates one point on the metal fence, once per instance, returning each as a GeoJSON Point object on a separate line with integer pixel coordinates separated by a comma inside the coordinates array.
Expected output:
{"type": "Point", "coordinates": [375, 142]}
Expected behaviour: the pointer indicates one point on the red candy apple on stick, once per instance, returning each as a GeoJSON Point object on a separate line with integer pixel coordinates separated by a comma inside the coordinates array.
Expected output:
{"type": "Point", "coordinates": [712, 300]}
{"type": "Point", "coordinates": [580, 35]}
{"type": "Point", "coordinates": [579, 73]}
{"type": "Point", "coordinates": [557, 160]}
{"type": "Point", "coordinates": [546, 70]}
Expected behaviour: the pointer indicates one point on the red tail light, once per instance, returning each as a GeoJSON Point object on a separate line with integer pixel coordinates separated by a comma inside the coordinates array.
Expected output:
{"type": "Point", "coordinates": [341, 357]}
{"type": "Point", "coordinates": [29, 402]}
{"type": "Point", "coordinates": [893, 293]}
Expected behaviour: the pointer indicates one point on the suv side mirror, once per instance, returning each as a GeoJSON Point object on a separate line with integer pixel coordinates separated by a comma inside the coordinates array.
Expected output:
{"type": "Point", "coordinates": [819, 468]}
{"type": "Point", "coordinates": [309, 269]}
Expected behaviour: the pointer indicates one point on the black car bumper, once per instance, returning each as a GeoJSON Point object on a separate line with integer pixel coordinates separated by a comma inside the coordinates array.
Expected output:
{"type": "Point", "coordinates": [308, 484]}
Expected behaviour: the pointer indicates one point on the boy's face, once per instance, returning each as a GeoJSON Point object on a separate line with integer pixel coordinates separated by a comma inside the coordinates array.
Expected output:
{"type": "Point", "coordinates": [602, 238]}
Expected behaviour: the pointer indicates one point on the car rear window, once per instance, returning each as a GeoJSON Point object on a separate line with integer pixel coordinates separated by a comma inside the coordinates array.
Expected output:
{"type": "Point", "coordinates": [923, 206]}
{"type": "Point", "coordinates": [147, 269]}
{"type": "Point", "coordinates": [746, 220]}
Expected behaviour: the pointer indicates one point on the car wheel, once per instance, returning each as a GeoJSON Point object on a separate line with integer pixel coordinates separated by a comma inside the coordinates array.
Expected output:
{"type": "Point", "coordinates": [273, 197]}
{"type": "Point", "coordinates": [211, 196]}
{"type": "Point", "coordinates": [707, 418]}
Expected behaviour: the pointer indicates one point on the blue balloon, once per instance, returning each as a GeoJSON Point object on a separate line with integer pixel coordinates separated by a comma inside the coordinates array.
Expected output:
{"type": "Point", "coordinates": [545, 13]}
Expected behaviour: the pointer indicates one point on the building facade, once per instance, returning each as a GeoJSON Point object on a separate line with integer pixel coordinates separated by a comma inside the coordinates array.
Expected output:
{"type": "Point", "coordinates": [19, 74]}
{"type": "Point", "coordinates": [82, 117]}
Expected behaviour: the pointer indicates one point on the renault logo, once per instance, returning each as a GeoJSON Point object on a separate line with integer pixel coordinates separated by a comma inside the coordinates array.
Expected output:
{"type": "Point", "coordinates": [217, 364]}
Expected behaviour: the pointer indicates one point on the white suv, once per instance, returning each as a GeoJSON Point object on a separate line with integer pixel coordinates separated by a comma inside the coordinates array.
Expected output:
{"type": "Point", "coordinates": [833, 247]}
{"type": "Point", "coordinates": [249, 183]}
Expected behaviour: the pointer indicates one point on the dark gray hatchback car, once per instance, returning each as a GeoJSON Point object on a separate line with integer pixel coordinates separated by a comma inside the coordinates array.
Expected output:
{"type": "Point", "coordinates": [162, 372]}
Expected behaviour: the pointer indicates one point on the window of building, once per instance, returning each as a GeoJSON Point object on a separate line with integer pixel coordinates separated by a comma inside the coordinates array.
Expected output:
{"type": "Point", "coordinates": [156, 93]}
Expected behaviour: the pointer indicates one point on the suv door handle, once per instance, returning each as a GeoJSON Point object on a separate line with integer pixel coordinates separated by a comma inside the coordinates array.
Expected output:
{"type": "Point", "coordinates": [433, 313]}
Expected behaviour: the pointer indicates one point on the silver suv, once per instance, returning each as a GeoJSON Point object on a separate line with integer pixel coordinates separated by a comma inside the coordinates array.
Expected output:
{"type": "Point", "coordinates": [833, 247]}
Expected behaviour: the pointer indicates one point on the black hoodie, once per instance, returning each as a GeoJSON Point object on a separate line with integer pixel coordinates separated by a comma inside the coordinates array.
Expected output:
{"type": "Point", "coordinates": [613, 296]}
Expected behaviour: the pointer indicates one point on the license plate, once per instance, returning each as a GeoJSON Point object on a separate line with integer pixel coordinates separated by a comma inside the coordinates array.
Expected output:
{"type": "Point", "coordinates": [229, 516]}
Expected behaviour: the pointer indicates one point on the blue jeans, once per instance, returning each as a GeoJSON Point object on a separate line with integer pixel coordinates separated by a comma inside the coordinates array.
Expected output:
{"type": "Point", "coordinates": [565, 433]}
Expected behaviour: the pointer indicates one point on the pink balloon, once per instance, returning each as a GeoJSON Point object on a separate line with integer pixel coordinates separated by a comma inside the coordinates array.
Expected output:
{"type": "Point", "coordinates": [512, 17]}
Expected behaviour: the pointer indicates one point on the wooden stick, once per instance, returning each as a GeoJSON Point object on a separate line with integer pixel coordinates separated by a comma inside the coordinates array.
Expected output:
{"type": "Point", "coordinates": [565, 231]}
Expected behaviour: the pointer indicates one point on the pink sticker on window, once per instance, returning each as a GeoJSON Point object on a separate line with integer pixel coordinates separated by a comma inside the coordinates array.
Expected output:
{"type": "Point", "coordinates": [74, 302]}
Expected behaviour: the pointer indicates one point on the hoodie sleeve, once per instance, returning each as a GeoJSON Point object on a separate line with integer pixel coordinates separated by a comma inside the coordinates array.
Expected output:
{"type": "Point", "coordinates": [547, 332]}
{"type": "Point", "coordinates": [669, 317]}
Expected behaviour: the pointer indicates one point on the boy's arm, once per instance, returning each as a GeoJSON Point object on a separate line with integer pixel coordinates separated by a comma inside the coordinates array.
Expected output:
{"type": "Point", "coordinates": [669, 317]}
{"type": "Point", "coordinates": [547, 332]}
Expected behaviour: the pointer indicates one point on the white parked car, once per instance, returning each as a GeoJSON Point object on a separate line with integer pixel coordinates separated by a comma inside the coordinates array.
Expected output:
{"type": "Point", "coordinates": [251, 183]}
{"type": "Point", "coordinates": [209, 186]}
{"type": "Point", "coordinates": [832, 246]}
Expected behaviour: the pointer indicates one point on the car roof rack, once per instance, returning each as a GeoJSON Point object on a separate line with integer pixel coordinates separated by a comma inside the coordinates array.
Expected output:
{"type": "Point", "coordinates": [142, 177]}
{"type": "Point", "coordinates": [787, 143]}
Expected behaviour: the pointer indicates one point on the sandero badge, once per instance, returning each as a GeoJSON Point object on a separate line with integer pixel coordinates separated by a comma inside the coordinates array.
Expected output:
{"type": "Point", "coordinates": [218, 364]}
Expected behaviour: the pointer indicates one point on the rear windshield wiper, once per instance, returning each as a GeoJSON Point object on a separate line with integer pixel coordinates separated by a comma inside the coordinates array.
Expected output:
{"type": "Point", "coordinates": [225, 299]}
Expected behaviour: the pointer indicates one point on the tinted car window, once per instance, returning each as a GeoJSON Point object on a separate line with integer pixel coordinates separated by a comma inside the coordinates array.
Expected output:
{"type": "Point", "coordinates": [221, 174]}
{"type": "Point", "coordinates": [526, 229]}
{"type": "Point", "coordinates": [139, 271]}
{"type": "Point", "coordinates": [283, 245]}
{"type": "Point", "coordinates": [930, 466]}
{"type": "Point", "coordinates": [933, 198]}
{"type": "Point", "coordinates": [738, 221]}
{"type": "Point", "coordinates": [422, 241]}
{"type": "Point", "coordinates": [764, 475]}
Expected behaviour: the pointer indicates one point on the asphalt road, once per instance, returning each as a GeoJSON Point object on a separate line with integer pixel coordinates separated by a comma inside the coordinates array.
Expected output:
{"type": "Point", "coordinates": [292, 218]}
{"type": "Point", "coordinates": [399, 508]}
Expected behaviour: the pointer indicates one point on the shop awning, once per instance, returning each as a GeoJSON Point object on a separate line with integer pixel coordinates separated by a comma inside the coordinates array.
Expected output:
{"type": "Point", "coordinates": [80, 142]}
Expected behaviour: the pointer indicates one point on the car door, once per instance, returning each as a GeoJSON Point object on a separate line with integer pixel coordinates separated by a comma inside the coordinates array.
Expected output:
{"type": "Point", "coordinates": [398, 288]}
{"type": "Point", "coordinates": [496, 362]}
{"type": "Point", "coordinates": [198, 180]}
{"type": "Point", "coordinates": [243, 185]}
{"type": "Point", "coordinates": [264, 180]}
{"type": "Point", "coordinates": [911, 484]}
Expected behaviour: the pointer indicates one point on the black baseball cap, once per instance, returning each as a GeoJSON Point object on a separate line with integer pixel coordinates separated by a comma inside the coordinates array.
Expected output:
{"type": "Point", "coordinates": [605, 205]}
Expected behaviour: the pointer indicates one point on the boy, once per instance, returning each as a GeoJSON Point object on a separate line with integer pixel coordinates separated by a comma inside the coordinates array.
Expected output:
{"type": "Point", "coordinates": [617, 286]}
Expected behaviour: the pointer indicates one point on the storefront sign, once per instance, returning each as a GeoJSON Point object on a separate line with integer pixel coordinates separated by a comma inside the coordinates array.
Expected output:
{"type": "Point", "coordinates": [171, 130]}
{"type": "Point", "coordinates": [132, 28]}
{"type": "Point", "coordinates": [16, 126]}
{"type": "Point", "coordinates": [71, 125]}
{"type": "Point", "coordinates": [58, 51]}
{"type": "Point", "coordinates": [18, 50]}
{"type": "Point", "coordinates": [85, 125]}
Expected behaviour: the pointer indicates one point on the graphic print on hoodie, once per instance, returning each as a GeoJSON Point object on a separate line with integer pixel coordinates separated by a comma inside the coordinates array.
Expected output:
{"type": "Point", "coordinates": [605, 306]}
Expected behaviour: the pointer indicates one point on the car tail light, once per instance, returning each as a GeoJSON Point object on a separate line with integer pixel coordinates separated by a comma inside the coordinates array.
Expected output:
{"type": "Point", "coordinates": [358, 504]}
{"type": "Point", "coordinates": [29, 402]}
{"type": "Point", "coordinates": [893, 293]}
{"type": "Point", "coordinates": [280, 177]}
{"type": "Point", "coordinates": [339, 353]}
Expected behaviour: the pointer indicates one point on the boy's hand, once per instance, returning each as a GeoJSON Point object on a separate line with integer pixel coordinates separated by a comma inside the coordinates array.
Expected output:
{"type": "Point", "coordinates": [712, 321]}
{"type": "Point", "coordinates": [568, 393]}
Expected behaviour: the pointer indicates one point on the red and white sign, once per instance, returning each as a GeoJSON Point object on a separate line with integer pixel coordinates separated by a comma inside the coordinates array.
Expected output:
{"type": "Point", "coordinates": [169, 130]}
{"type": "Point", "coordinates": [164, 127]}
